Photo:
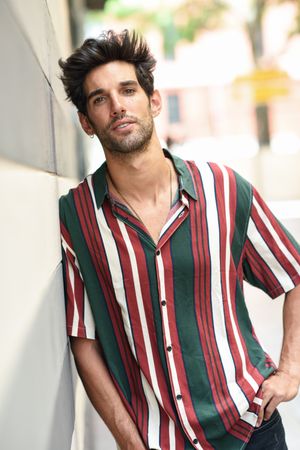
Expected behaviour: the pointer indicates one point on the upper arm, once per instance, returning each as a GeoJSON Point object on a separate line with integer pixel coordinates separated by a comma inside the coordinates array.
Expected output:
{"type": "Point", "coordinates": [79, 318]}
{"type": "Point", "coordinates": [271, 258]}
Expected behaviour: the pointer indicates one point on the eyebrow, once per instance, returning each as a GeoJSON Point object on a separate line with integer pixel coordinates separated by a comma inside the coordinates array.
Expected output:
{"type": "Point", "coordinates": [99, 91]}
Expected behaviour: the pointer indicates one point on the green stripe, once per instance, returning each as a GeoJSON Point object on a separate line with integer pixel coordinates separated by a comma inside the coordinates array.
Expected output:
{"type": "Point", "coordinates": [243, 209]}
{"type": "Point", "coordinates": [255, 351]}
{"type": "Point", "coordinates": [186, 322]}
{"type": "Point", "coordinates": [227, 442]}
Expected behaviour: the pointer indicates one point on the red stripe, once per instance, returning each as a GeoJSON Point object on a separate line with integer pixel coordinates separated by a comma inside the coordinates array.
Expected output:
{"type": "Point", "coordinates": [260, 269]}
{"type": "Point", "coordinates": [71, 299]}
{"type": "Point", "coordinates": [131, 298]}
{"type": "Point", "coordinates": [180, 442]}
{"type": "Point", "coordinates": [132, 307]}
{"type": "Point", "coordinates": [164, 430]}
{"type": "Point", "coordinates": [89, 226]}
{"type": "Point", "coordinates": [76, 295]}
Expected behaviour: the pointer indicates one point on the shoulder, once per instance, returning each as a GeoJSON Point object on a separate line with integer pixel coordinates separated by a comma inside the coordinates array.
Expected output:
{"type": "Point", "coordinates": [67, 202]}
{"type": "Point", "coordinates": [220, 174]}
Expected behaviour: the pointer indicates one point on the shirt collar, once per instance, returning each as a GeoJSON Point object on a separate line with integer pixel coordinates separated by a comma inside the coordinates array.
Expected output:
{"type": "Point", "coordinates": [186, 182]}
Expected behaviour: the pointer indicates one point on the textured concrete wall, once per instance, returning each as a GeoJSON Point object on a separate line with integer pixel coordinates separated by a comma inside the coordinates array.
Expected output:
{"type": "Point", "coordinates": [37, 143]}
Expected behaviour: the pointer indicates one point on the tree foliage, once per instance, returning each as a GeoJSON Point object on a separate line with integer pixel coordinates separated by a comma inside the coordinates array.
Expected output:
{"type": "Point", "coordinates": [176, 21]}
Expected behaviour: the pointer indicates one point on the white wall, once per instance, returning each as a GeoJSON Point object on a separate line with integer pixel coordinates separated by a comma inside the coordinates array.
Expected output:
{"type": "Point", "coordinates": [37, 143]}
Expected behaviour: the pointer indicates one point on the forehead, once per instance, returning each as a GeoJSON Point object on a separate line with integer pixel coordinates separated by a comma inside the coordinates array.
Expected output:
{"type": "Point", "coordinates": [109, 75]}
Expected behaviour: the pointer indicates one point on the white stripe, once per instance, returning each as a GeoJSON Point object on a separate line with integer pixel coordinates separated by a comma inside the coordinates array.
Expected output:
{"type": "Point", "coordinates": [246, 374]}
{"type": "Point", "coordinates": [257, 401]}
{"type": "Point", "coordinates": [117, 279]}
{"type": "Point", "coordinates": [275, 235]}
{"type": "Point", "coordinates": [185, 200]}
{"type": "Point", "coordinates": [172, 219]}
{"type": "Point", "coordinates": [265, 253]}
{"type": "Point", "coordinates": [116, 274]}
{"type": "Point", "coordinates": [250, 418]}
{"type": "Point", "coordinates": [141, 310]}
{"type": "Point", "coordinates": [236, 393]}
{"type": "Point", "coordinates": [173, 374]}
{"type": "Point", "coordinates": [154, 415]}
{"type": "Point", "coordinates": [67, 247]}
{"type": "Point", "coordinates": [172, 435]}
{"type": "Point", "coordinates": [89, 322]}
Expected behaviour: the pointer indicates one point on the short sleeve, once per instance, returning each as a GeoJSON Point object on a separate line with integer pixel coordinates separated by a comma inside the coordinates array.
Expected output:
{"type": "Point", "coordinates": [79, 318]}
{"type": "Point", "coordinates": [271, 257]}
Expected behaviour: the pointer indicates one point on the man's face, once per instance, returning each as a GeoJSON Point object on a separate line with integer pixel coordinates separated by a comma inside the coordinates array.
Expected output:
{"type": "Point", "coordinates": [118, 109]}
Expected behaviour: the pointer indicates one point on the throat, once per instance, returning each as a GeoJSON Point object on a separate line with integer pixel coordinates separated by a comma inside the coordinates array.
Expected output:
{"type": "Point", "coordinates": [153, 213]}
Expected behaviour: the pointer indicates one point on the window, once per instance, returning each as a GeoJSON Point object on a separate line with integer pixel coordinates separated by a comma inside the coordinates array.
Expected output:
{"type": "Point", "coordinates": [173, 109]}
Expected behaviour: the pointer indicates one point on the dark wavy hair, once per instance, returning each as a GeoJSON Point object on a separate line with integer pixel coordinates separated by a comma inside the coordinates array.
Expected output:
{"type": "Point", "coordinates": [110, 46]}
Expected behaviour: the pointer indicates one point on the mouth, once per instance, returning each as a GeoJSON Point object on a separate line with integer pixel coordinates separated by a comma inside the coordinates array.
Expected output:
{"type": "Point", "coordinates": [122, 124]}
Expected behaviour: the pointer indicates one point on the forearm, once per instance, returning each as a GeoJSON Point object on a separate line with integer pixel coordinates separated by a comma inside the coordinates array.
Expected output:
{"type": "Point", "coordinates": [104, 395]}
{"type": "Point", "coordinates": [290, 353]}
{"type": "Point", "coordinates": [284, 384]}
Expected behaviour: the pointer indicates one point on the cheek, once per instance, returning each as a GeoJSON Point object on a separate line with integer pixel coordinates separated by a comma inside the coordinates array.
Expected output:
{"type": "Point", "coordinates": [100, 119]}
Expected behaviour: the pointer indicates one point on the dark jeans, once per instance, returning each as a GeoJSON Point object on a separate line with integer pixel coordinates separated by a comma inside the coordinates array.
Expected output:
{"type": "Point", "coordinates": [269, 436]}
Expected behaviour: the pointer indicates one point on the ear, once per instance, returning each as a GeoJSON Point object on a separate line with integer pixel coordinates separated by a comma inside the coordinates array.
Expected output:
{"type": "Point", "coordinates": [85, 123]}
{"type": "Point", "coordinates": [155, 103]}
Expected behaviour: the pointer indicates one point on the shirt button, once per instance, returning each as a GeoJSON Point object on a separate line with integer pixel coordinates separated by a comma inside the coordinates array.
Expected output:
{"type": "Point", "coordinates": [169, 348]}
{"type": "Point", "coordinates": [195, 441]}
{"type": "Point", "coordinates": [179, 397]}
{"type": "Point", "coordinates": [163, 302]}
{"type": "Point", "coordinates": [158, 252]}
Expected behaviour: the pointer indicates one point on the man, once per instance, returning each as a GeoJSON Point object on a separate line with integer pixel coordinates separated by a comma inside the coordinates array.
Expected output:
{"type": "Point", "coordinates": [155, 250]}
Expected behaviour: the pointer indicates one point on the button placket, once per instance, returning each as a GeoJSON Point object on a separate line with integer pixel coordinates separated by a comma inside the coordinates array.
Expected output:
{"type": "Point", "coordinates": [168, 346]}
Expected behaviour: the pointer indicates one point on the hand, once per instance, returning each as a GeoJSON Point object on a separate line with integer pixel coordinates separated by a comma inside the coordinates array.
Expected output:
{"type": "Point", "coordinates": [279, 387]}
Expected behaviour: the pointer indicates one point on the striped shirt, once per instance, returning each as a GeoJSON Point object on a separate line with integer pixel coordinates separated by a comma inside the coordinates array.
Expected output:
{"type": "Point", "coordinates": [171, 317]}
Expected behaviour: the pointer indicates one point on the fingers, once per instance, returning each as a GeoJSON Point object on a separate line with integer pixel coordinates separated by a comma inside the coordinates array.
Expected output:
{"type": "Point", "coordinates": [266, 410]}
{"type": "Point", "coordinates": [270, 408]}
{"type": "Point", "coordinates": [266, 399]}
{"type": "Point", "coordinates": [279, 387]}
{"type": "Point", "coordinates": [271, 400]}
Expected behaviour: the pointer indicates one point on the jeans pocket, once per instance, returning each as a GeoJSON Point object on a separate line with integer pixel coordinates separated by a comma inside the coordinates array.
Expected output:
{"type": "Point", "coordinates": [267, 424]}
{"type": "Point", "coordinates": [269, 436]}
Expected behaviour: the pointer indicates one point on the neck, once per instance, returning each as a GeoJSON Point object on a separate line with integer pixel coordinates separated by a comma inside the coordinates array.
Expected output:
{"type": "Point", "coordinates": [141, 175]}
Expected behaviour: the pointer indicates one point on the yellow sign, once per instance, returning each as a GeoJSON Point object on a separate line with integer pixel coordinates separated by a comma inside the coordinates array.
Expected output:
{"type": "Point", "coordinates": [265, 84]}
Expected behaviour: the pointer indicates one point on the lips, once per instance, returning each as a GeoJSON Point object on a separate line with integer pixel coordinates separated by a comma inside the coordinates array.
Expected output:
{"type": "Point", "coordinates": [122, 123]}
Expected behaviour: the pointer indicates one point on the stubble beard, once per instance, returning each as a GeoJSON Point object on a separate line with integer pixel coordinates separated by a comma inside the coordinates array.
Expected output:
{"type": "Point", "coordinates": [134, 142]}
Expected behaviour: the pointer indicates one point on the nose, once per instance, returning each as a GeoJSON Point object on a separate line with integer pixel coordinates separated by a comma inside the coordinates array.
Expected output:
{"type": "Point", "coordinates": [117, 107]}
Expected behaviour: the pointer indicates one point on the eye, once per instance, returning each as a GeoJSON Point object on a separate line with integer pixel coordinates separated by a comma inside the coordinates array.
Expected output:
{"type": "Point", "coordinates": [98, 100]}
{"type": "Point", "coordinates": [129, 91]}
